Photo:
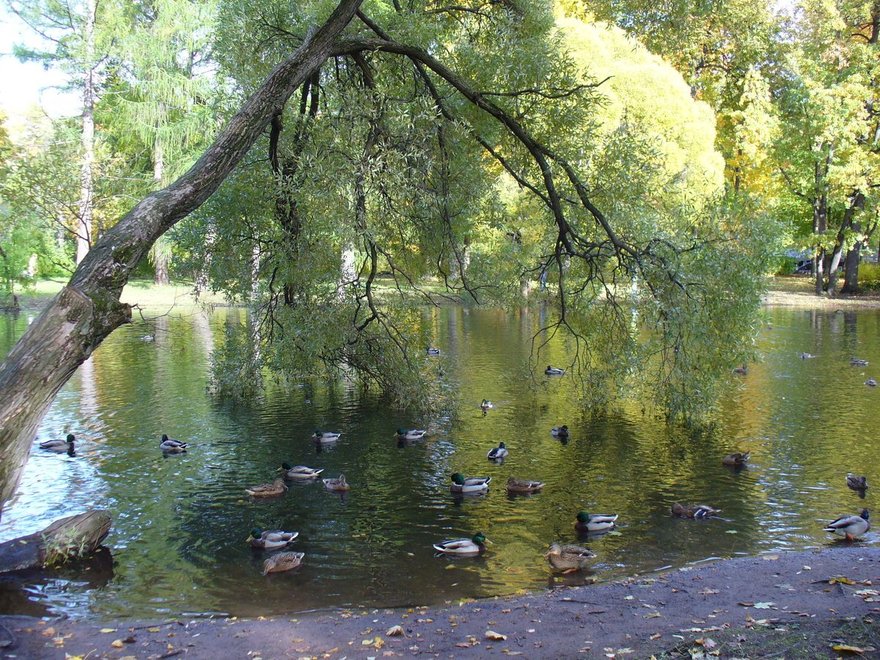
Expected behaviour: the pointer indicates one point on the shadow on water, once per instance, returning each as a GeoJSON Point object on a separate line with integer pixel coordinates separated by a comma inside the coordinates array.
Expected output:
{"type": "Point", "coordinates": [180, 522]}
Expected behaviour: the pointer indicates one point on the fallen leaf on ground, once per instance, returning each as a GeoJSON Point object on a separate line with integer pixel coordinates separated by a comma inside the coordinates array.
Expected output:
{"type": "Point", "coordinates": [848, 649]}
{"type": "Point", "coordinates": [706, 642]}
{"type": "Point", "coordinates": [840, 579]}
{"type": "Point", "coordinates": [707, 592]}
{"type": "Point", "coordinates": [769, 557]}
{"type": "Point", "coordinates": [745, 603]}
{"type": "Point", "coordinates": [394, 631]}
{"type": "Point", "coordinates": [154, 629]}
{"type": "Point", "coordinates": [117, 644]}
{"type": "Point", "coordinates": [108, 630]}
{"type": "Point", "coordinates": [494, 636]}
{"type": "Point", "coordinates": [764, 606]}
{"type": "Point", "coordinates": [48, 632]}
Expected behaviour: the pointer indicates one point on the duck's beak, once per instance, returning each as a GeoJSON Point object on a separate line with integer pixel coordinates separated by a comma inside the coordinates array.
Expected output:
{"type": "Point", "coordinates": [249, 539]}
{"type": "Point", "coordinates": [488, 542]}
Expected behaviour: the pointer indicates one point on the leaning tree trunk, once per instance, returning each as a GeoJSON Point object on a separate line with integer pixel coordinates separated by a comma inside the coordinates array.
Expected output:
{"type": "Point", "coordinates": [65, 539]}
{"type": "Point", "coordinates": [88, 308]}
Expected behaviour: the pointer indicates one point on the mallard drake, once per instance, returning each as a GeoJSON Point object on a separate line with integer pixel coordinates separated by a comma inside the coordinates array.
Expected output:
{"type": "Point", "coordinates": [856, 482]}
{"type": "Point", "coordinates": [325, 436]}
{"type": "Point", "coordinates": [462, 484]}
{"type": "Point", "coordinates": [693, 511]}
{"type": "Point", "coordinates": [737, 459]}
{"type": "Point", "coordinates": [432, 351]}
{"type": "Point", "coordinates": [283, 561]}
{"type": "Point", "coordinates": [170, 446]}
{"type": "Point", "coordinates": [274, 489]}
{"type": "Point", "coordinates": [523, 485]}
{"type": "Point", "coordinates": [553, 371]}
{"type": "Point", "coordinates": [871, 382]}
{"type": "Point", "coordinates": [60, 446]}
{"type": "Point", "coordinates": [486, 405]}
{"type": "Point", "coordinates": [850, 527]}
{"type": "Point", "coordinates": [568, 558]}
{"type": "Point", "coordinates": [560, 432]}
{"type": "Point", "coordinates": [270, 539]}
{"type": "Point", "coordinates": [742, 370]}
{"type": "Point", "coordinates": [858, 362]}
{"type": "Point", "coordinates": [463, 547]}
{"type": "Point", "coordinates": [595, 522]}
{"type": "Point", "coordinates": [410, 434]}
{"type": "Point", "coordinates": [337, 484]}
{"type": "Point", "coordinates": [301, 472]}
{"type": "Point", "coordinates": [498, 453]}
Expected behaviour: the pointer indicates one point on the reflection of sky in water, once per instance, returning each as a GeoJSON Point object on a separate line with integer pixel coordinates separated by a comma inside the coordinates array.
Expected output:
{"type": "Point", "coordinates": [180, 522]}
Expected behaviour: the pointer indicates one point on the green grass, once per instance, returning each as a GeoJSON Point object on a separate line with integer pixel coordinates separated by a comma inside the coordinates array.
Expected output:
{"type": "Point", "coordinates": [141, 292]}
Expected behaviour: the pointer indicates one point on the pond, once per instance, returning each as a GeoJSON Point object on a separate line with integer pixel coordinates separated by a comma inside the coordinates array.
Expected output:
{"type": "Point", "coordinates": [180, 523]}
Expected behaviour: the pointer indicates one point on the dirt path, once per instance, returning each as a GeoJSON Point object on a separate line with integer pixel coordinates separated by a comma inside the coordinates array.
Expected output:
{"type": "Point", "coordinates": [782, 599]}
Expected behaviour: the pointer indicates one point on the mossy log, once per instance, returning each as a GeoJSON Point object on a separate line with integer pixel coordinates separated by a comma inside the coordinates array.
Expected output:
{"type": "Point", "coordinates": [65, 539]}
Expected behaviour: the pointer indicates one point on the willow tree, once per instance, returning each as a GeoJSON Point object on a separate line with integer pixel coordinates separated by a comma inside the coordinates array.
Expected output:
{"type": "Point", "coordinates": [400, 111]}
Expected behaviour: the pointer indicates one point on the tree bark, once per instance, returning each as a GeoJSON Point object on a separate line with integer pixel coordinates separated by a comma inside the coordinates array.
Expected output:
{"type": "Point", "coordinates": [88, 308]}
{"type": "Point", "coordinates": [68, 538]}
{"type": "Point", "coordinates": [86, 180]}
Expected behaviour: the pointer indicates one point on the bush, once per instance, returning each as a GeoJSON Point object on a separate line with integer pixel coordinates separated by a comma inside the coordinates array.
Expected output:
{"type": "Point", "coordinates": [869, 276]}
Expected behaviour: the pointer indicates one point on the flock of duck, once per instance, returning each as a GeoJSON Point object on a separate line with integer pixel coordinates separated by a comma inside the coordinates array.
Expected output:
{"type": "Point", "coordinates": [563, 557]}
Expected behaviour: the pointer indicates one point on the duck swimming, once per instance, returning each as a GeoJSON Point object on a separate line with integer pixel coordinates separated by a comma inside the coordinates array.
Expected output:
{"type": "Point", "coordinates": [301, 472]}
{"type": "Point", "coordinates": [60, 446]}
{"type": "Point", "coordinates": [857, 483]}
{"type": "Point", "coordinates": [560, 432]}
{"type": "Point", "coordinates": [270, 539]}
{"type": "Point", "coordinates": [498, 453]}
{"type": "Point", "coordinates": [553, 371]}
{"type": "Point", "coordinates": [696, 511]}
{"type": "Point", "coordinates": [468, 485]}
{"type": "Point", "coordinates": [325, 436]}
{"type": "Point", "coordinates": [523, 485]}
{"type": "Point", "coordinates": [463, 547]}
{"type": "Point", "coordinates": [737, 459]}
{"type": "Point", "coordinates": [595, 522]}
{"type": "Point", "coordinates": [339, 484]}
{"type": "Point", "coordinates": [410, 434]}
{"type": "Point", "coordinates": [274, 489]}
{"type": "Point", "coordinates": [169, 446]}
{"type": "Point", "coordinates": [283, 561]}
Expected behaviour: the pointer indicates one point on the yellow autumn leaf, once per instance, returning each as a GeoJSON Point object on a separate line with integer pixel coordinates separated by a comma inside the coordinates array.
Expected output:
{"type": "Point", "coordinates": [494, 636]}
{"type": "Point", "coordinates": [108, 630]}
{"type": "Point", "coordinates": [154, 629]}
{"type": "Point", "coordinates": [848, 649]}
{"type": "Point", "coordinates": [116, 644]}
{"type": "Point", "coordinates": [840, 579]}
{"type": "Point", "coordinates": [394, 631]}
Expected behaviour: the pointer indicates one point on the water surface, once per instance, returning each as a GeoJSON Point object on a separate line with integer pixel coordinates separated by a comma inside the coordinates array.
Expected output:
{"type": "Point", "coordinates": [179, 523]}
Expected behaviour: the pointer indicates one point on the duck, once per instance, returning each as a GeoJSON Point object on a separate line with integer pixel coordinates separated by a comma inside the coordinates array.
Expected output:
{"type": "Point", "coordinates": [432, 351]}
{"type": "Point", "coordinates": [595, 522]}
{"type": "Point", "coordinates": [553, 371]}
{"type": "Point", "coordinates": [325, 436]}
{"type": "Point", "coordinates": [282, 561]}
{"type": "Point", "coordinates": [270, 539]}
{"type": "Point", "coordinates": [850, 527]}
{"type": "Point", "coordinates": [807, 356]}
{"type": "Point", "coordinates": [568, 558]}
{"type": "Point", "coordinates": [737, 459]}
{"type": "Point", "coordinates": [410, 434]}
{"type": "Point", "coordinates": [476, 545]}
{"type": "Point", "coordinates": [742, 370]}
{"type": "Point", "coordinates": [338, 484]}
{"type": "Point", "coordinates": [462, 484]}
{"type": "Point", "coordinates": [299, 471]}
{"type": "Point", "coordinates": [274, 489]}
{"type": "Point", "coordinates": [856, 483]}
{"type": "Point", "coordinates": [697, 511]}
{"type": "Point", "coordinates": [170, 446]}
{"type": "Point", "coordinates": [523, 485]}
{"type": "Point", "coordinates": [498, 453]}
{"type": "Point", "coordinates": [871, 382]}
{"type": "Point", "coordinates": [486, 405]}
{"type": "Point", "coordinates": [858, 362]}
{"type": "Point", "coordinates": [60, 446]}
{"type": "Point", "coordinates": [560, 432]}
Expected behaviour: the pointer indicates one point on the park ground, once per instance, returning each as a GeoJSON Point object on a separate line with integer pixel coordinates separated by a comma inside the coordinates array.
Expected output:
{"type": "Point", "coordinates": [823, 603]}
